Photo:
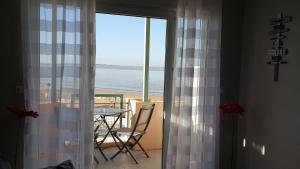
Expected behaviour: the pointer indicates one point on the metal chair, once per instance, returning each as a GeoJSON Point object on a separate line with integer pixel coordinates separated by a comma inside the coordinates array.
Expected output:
{"type": "Point", "coordinates": [96, 136]}
{"type": "Point", "coordinates": [135, 133]}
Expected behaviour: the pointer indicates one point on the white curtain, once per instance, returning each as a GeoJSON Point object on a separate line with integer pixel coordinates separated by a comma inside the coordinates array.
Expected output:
{"type": "Point", "coordinates": [194, 120]}
{"type": "Point", "coordinates": [59, 63]}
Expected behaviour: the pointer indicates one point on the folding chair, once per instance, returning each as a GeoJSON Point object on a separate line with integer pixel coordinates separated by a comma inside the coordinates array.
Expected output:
{"type": "Point", "coordinates": [135, 133]}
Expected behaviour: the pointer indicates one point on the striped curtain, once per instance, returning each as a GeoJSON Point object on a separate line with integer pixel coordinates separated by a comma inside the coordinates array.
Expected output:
{"type": "Point", "coordinates": [194, 118]}
{"type": "Point", "coordinates": [59, 65]}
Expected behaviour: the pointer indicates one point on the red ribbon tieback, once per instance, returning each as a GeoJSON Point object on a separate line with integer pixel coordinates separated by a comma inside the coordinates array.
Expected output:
{"type": "Point", "coordinates": [21, 111]}
{"type": "Point", "coordinates": [232, 108]}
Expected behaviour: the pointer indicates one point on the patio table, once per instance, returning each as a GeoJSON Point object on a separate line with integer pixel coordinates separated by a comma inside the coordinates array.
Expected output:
{"type": "Point", "coordinates": [104, 112]}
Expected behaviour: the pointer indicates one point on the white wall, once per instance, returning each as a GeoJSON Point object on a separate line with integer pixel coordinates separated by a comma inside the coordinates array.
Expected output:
{"type": "Point", "coordinates": [273, 113]}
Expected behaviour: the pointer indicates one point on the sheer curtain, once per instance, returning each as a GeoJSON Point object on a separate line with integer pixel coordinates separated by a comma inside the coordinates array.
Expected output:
{"type": "Point", "coordinates": [194, 119]}
{"type": "Point", "coordinates": [59, 65]}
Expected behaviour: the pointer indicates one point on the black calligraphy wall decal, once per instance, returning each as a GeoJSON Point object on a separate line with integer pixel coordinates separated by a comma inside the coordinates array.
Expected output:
{"type": "Point", "coordinates": [277, 36]}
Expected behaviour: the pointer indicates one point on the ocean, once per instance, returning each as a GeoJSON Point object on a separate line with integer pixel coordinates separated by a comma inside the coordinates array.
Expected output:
{"type": "Point", "coordinates": [129, 80]}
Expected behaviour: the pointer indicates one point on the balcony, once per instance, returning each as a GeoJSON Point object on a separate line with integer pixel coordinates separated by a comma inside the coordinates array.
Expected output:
{"type": "Point", "coordinates": [151, 141]}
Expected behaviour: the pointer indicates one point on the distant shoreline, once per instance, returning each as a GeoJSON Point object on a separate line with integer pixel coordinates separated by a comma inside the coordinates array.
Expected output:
{"type": "Point", "coordinates": [130, 95]}
{"type": "Point", "coordinates": [129, 90]}
{"type": "Point", "coordinates": [123, 67]}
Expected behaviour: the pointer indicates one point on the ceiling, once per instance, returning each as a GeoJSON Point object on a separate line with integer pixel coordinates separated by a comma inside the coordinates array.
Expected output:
{"type": "Point", "coordinates": [138, 7]}
{"type": "Point", "coordinates": [161, 3]}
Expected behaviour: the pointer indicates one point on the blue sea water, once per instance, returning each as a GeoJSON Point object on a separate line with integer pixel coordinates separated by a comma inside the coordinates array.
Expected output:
{"type": "Point", "coordinates": [128, 80]}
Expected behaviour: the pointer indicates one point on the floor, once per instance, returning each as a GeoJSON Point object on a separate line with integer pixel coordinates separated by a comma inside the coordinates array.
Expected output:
{"type": "Point", "coordinates": [124, 161]}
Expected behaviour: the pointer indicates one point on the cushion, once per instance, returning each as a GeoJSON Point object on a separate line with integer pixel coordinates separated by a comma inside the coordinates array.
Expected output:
{"type": "Point", "coordinates": [64, 165]}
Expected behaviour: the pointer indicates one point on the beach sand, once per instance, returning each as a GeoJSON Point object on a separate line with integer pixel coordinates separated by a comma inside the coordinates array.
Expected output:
{"type": "Point", "coordinates": [45, 95]}
{"type": "Point", "coordinates": [130, 95]}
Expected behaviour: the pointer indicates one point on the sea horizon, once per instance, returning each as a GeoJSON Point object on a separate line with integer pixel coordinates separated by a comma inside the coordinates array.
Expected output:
{"type": "Point", "coordinates": [128, 67]}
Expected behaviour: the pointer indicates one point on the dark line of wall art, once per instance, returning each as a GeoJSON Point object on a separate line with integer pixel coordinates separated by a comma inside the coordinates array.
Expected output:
{"type": "Point", "coordinates": [277, 36]}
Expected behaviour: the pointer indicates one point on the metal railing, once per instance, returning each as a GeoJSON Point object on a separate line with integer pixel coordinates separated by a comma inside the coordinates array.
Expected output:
{"type": "Point", "coordinates": [113, 103]}
{"type": "Point", "coordinates": [110, 100]}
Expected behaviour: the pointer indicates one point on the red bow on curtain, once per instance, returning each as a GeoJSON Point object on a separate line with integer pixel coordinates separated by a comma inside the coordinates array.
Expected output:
{"type": "Point", "coordinates": [232, 108]}
{"type": "Point", "coordinates": [21, 111]}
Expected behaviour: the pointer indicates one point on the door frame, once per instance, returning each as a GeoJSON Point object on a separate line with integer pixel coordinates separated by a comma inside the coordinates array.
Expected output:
{"type": "Point", "coordinates": [159, 13]}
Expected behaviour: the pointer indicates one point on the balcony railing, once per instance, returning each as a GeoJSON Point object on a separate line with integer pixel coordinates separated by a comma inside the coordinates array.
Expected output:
{"type": "Point", "coordinates": [109, 100]}
{"type": "Point", "coordinates": [113, 101]}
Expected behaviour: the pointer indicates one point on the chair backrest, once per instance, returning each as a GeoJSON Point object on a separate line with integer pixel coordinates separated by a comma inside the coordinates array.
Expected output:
{"type": "Point", "coordinates": [144, 117]}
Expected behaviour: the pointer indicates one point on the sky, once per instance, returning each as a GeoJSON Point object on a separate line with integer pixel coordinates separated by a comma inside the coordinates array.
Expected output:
{"type": "Point", "coordinates": [120, 40]}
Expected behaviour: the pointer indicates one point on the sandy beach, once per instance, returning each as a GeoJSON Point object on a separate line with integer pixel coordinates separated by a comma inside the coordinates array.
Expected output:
{"type": "Point", "coordinates": [130, 94]}
{"type": "Point", "coordinates": [45, 95]}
